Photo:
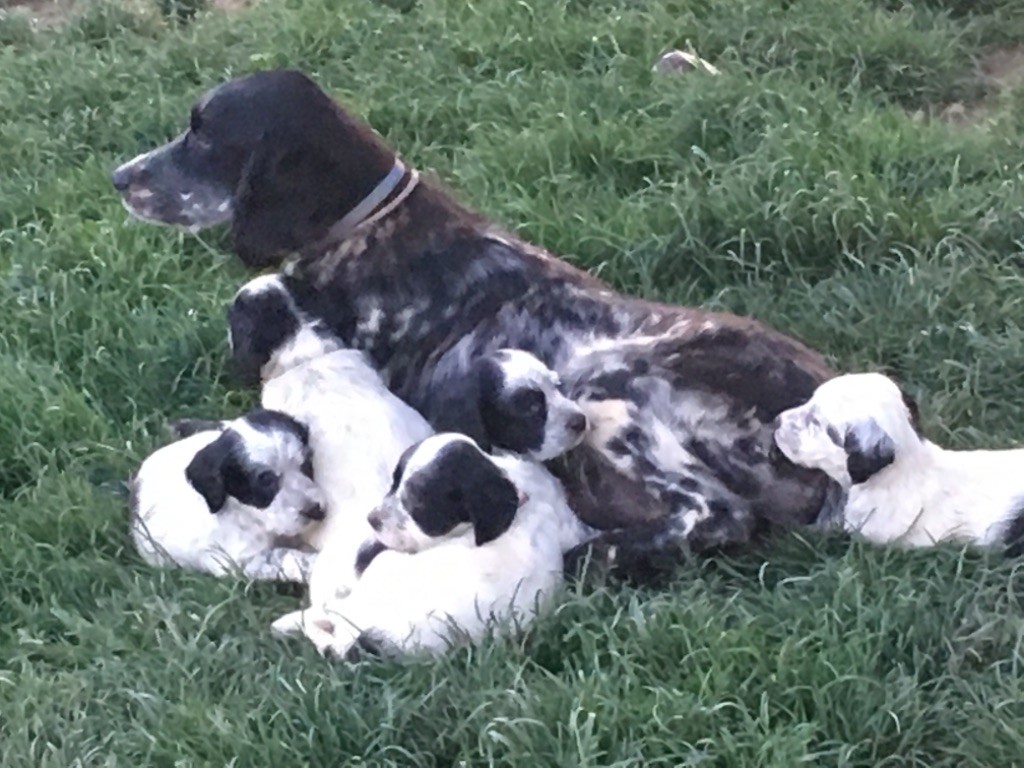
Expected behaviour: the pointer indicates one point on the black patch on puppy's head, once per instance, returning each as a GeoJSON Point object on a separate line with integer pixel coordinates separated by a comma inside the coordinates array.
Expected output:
{"type": "Point", "coordinates": [221, 469]}
{"type": "Point", "coordinates": [869, 450]}
{"type": "Point", "coordinates": [461, 485]}
{"type": "Point", "coordinates": [270, 422]}
{"type": "Point", "coordinates": [514, 417]}
{"type": "Point", "coordinates": [259, 323]}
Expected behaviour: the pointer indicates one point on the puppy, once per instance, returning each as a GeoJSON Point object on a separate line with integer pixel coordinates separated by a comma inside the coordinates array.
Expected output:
{"type": "Point", "coordinates": [471, 541]}
{"type": "Point", "coordinates": [357, 428]}
{"type": "Point", "coordinates": [521, 409]}
{"type": "Point", "coordinates": [239, 495]}
{"type": "Point", "coordinates": [864, 433]}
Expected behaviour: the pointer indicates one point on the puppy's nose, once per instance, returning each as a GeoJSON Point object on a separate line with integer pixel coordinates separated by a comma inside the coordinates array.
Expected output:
{"type": "Point", "coordinates": [314, 512]}
{"type": "Point", "coordinates": [376, 520]}
{"type": "Point", "coordinates": [577, 422]}
{"type": "Point", "coordinates": [121, 178]}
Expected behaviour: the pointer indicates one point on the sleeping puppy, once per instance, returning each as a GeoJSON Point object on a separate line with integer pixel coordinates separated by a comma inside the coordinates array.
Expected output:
{"type": "Point", "coordinates": [864, 432]}
{"type": "Point", "coordinates": [239, 495]}
{"type": "Point", "coordinates": [468, 540]}
{"type": "Point", "coordinates": [357, 428]}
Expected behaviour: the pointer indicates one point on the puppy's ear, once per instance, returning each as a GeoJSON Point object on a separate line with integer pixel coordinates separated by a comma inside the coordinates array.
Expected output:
{"type": "Point", "coordinates": [458, 405]}
{"type": "Point", "coordinates": [182, 428]}
{"type": "Point", "coordinates": [205, 473]}
{"type": "Point", "coordinates": [256, 329]}
{"type": "Point", "coordinates": [494, 501]}
{"type": "Point", "coordinates": [869, 449]}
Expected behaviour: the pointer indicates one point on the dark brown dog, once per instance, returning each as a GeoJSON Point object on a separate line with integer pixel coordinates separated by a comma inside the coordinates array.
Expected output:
{"type": "Point", "coordinates": [681, 401]}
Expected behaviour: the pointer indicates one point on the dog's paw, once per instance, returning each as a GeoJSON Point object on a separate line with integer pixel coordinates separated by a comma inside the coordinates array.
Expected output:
{"type": "Point", "coordinates": [288, 625]}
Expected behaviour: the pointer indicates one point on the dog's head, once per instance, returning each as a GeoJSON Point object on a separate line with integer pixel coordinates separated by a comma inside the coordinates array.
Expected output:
{"type": "Point", "coordinates": [511, 401]}
{"type": "Point", "coordinates": [522, 408]}
{"type": "Point", "coordinates": [271, 153]}
{"type": "Point", "coordinates": [266, 327]}
{"type": "Point", "coordinates": [853, 427]}
{"type": "Point", "coordinates": [262, 462]}
{"type": "Point", "coordinates": [443, 487]}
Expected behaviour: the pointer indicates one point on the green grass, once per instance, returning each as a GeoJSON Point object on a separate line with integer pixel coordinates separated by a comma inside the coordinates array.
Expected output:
{"type": "Point", "coordinates": [796, 187]}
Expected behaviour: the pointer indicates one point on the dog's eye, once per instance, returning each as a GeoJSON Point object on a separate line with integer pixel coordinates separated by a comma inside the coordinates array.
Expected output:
{"type": "Point", "coordinates": [528, 401]}
{"type": "Point", "coordinates": [266, 481]}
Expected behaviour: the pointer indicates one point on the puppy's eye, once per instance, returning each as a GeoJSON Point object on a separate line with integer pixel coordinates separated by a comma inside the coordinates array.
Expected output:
{"type": "Point", "coordinates": [266, 481]}
{"type": "Point", "coordinates": [528, 401]}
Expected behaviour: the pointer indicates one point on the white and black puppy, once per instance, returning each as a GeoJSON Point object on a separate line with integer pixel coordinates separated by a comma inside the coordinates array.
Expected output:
{"type": "Point", "coordinates": [863, 431]}
{"type": "Point", "coordinates": [472, 541]}
{"type": "Point", "coordinates": [239, 495]}
{"type": "Point", "coordinates": [357, 428]}
{"type": "Point", "coordinates": [521, 408]}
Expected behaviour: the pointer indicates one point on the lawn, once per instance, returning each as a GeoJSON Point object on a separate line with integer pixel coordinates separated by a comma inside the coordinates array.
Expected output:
{"type": "Point", "coordinates": [854, 177]}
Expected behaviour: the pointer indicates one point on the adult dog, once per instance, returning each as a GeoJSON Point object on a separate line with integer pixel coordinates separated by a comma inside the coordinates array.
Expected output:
{"type": "Point", "coordinates": [682, 399]}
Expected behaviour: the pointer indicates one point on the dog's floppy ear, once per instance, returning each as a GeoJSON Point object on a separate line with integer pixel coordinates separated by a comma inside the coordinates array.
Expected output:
{"type": "Point", "coordinates": [275, 202]}
{"type": "Point", "coordinates": [869, 449]}
{"type": "Point", "coordinates": [182, 428]}
{"type": "Point", "coordinates": [257, 327]}
{"type": "Point", "coordinates": [205, 472]}
{"type": "Point", "coordinates": [493, 501]}
{"type": "Point", "coordinates": [458, 405]}
{"type": "Point", "coordinates": [300, 180]}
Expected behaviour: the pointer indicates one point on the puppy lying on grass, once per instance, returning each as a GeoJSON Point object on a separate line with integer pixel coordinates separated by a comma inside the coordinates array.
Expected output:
{"type": "Point", "coordinates": [466, 542]}
{"type": "Point", "coordinates": [235, 494]}
{"type": "Point", "coordinates": [864, 432]}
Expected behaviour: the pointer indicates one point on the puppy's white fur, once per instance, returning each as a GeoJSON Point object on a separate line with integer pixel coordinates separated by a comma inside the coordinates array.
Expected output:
{"type": "Point", "coordinates": [924, 494]}
{"type": "Point", "coordinates": [357, 431]}
{"type": "Point", "coordinates": [171, 523]}
{"type": "Point", "coordinates": [447, 588]}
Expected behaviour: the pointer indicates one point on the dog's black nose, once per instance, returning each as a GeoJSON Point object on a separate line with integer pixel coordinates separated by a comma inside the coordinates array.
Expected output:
{"type": "Point", "coordinates": [375, 520]}
{"type": "Point", "coordinates": [121, 178]}
{"type": "Point", "coordinates": [577, 422]}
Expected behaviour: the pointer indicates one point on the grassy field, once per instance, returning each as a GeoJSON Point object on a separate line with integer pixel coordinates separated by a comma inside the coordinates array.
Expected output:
{"type": "Point", "coordinates": [822, 183]}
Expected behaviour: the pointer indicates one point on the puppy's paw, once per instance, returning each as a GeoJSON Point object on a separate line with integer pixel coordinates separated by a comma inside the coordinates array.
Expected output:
{"type": "Point", "coordinates": [296, 566]}
{"type": "Point", "coordinates": [288, 625]}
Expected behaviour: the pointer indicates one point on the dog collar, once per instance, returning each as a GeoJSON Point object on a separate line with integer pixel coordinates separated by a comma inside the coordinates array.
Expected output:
{"type": "Point", "coordinates": [361, 214]}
